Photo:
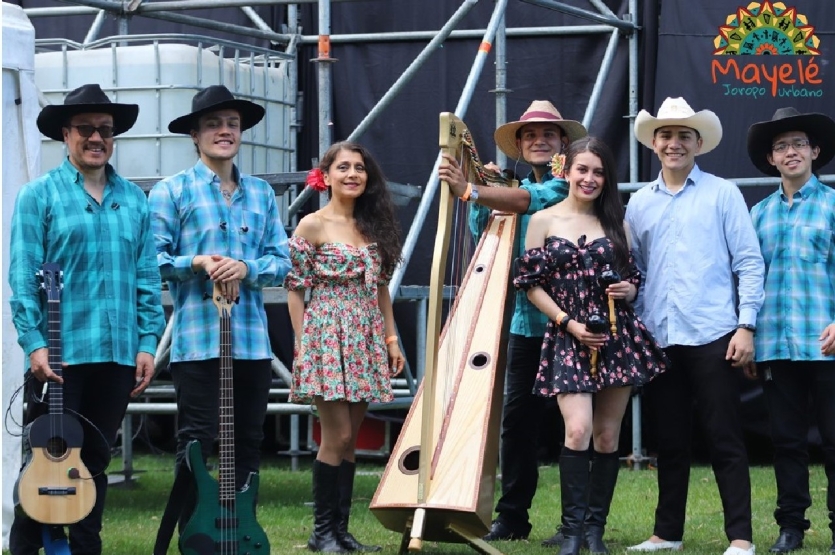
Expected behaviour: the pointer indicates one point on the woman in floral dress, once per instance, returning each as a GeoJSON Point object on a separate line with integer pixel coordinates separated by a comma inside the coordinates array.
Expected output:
{"type": "Point", "coordinates": [346, 347]}
{"type": "Point", "coordinates": [568, 248]}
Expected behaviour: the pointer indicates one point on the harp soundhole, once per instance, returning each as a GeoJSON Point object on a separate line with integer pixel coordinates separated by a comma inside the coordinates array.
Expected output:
{"type": "Point", "coordinates": [479, 361]}
{"type": "Point", "coordinates": [409, 462]}
{"type": "Point", "coordinates": [479, 269]}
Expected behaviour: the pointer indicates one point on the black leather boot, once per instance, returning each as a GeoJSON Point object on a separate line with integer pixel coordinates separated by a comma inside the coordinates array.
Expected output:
{"type": "Point", "coordinates": [346, 491]}
{"type": "Point", "coordinates": [574, 481]}
{"type": "Point", "coordinates": [603, 477]}
{"type": "Point", "coordinates": [325, 507]}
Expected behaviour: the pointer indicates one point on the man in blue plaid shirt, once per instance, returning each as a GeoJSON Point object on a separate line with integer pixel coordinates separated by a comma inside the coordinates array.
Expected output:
{"type": "Point", "coordinates": [795, 338]}
{"type": "Point", "coordinates": [214, 224]}
{"type": "Point", "coordinates": [95, 225]}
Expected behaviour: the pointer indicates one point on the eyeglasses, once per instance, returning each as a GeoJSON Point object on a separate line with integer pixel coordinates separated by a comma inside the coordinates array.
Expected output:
{"type": "Point", "coordinates": [797, 144]}
{"type": "Point", "coordinates": [86, 131]}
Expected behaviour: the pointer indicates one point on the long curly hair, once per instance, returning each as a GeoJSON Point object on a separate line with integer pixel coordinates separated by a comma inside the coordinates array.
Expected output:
{"type": "Point", "coordinates": [374, 212]}
{"type": "Point", "coordinates": [608, 206]}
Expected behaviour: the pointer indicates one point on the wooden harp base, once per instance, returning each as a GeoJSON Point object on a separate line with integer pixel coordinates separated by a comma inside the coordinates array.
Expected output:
{"type": "Point", "coordinates": [457, 534]}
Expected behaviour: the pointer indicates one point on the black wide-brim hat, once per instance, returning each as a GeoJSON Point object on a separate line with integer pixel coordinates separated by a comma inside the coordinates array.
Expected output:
{"type": "Point", "coordinates": [819, 127]}
{"type": "Point", "coordinates": [213, 99]}
{"type": "Point", "coordinates": [86, 99]}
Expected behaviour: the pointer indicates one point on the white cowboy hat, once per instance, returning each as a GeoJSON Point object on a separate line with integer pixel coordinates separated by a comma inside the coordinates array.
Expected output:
{"type": "Point", "coordinates": [540, 111]}
{"type": "Point", "coordinates": [676, 111]}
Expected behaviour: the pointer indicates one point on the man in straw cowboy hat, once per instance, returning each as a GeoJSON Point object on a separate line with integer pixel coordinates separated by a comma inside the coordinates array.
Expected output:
{"type": "Point", "coordinates": [795, 340]}
{"type": "Point", "coordinates": [690, 228]}
{"type": "Point", "coordinates": [534, 139]}
{"type": "Point", "coordinates": [95, 225]}
{"type": "Point", "coordinates": [215, 224]}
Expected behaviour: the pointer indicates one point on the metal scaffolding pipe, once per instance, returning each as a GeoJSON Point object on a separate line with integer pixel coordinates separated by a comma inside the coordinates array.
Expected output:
{"type": "Point", "coordinates": [117, 8]}
{"type": "Point", "coordinates": [410, 71]}
{"type": "Point", "coordinates": [624, 26]}
{"type": "Point", "coordinates": [463, 34]}
{"type": "Point", "coordinates": [93, 33]}
{"type": "Point", "coordinates": [437, 39]}
{"type": "Point", "coordinates": [501, 89]}
{"type": "Point", "coordinates": [460, 111]}
{"type": "Point", "coordinates": [59, 11]}
{"type": "Point", "coordinates": [602, 74]}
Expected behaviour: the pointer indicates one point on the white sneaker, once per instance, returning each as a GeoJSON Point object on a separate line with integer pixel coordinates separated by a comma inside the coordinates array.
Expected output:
{"type": "Point", "coordinates": [732, 550]}
{"type": "Point", "coordinates": [660, 546]}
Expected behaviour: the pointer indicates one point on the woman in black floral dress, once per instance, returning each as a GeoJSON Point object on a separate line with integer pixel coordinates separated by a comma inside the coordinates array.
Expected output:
{"type": "Point", "coordinates": [568, 248]}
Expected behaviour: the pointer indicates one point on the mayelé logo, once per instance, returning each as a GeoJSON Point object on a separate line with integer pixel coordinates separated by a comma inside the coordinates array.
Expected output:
{"type": "Point", "coordinates": [767, 29]}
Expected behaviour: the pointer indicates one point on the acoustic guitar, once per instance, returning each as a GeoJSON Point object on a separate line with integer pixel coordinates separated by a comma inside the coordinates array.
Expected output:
{"type": "Point", "coordinates": [55, 487]}
{"type": "Point", "coordinates": [223, 522]}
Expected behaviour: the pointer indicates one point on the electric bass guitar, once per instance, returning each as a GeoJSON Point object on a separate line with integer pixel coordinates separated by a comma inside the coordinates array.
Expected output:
{"type": "Point", "coordinates": [55, 487]}
{"type": "Point", "coordinates": [223, 522]}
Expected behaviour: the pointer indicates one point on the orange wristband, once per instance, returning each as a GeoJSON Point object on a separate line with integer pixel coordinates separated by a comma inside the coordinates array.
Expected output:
{"type": "Point", "coordinates": [466, 196]}
{"type": "Point", "coordinates": [391, 339]}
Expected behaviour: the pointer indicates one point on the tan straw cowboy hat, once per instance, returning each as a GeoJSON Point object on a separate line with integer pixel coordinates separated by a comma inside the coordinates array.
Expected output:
{"type": "Point", "coordinates": [540, 111]}
{"type": "Point", "coordinates": [676, 111]}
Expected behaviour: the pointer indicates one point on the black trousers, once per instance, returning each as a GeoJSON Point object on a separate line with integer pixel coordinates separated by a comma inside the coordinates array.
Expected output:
{"type": "Point", "coordinates": [197, 386]}
{"type": "Point", "coordinates": [789, 387]}
{"type": "Point", "coordinates": [100, 394]}
{"type": "Point", "coordinates": [521, 417]}
{"type": "Point", "coordinates": [700, 374]}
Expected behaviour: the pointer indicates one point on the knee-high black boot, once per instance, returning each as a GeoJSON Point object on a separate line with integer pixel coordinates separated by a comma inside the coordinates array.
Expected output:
{"type": "Point", "coordinates": [346, 491]}
{"type": "Point", "coordinates": [603, 477]}
{"type": "Point", "coordinates": [325, 506]}
{"type": "Point", "coordinates": [574, 480]}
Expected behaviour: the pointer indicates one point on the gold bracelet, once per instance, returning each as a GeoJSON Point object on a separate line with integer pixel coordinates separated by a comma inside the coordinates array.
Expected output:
{"type": "Point", "coordinates": [466, 196]}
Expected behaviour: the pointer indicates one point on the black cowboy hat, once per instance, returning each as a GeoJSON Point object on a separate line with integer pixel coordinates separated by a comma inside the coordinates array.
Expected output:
{"type": "Point", "coordinates": [212, 99]}
{"type": "Point", "coordinates": [86, 99]}
{"type": "Point", "coordinates": [819, 127]}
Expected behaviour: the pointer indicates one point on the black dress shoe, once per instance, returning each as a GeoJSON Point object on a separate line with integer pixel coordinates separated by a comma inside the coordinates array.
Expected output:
{"type": "Point", "coordinates": [500, 532]}
{"type": "Point", "coordinates": [555, 540]}
{"type": "Point", "coordinates": [789, 540]}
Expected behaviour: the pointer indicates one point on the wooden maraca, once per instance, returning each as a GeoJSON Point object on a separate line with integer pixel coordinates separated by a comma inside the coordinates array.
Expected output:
{"type": "Point", "coordinates": [610, 277]}
{"type": "Point", "coordinates": [596, 324]}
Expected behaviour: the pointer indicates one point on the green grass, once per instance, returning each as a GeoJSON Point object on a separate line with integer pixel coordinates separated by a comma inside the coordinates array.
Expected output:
{"type": "Point", "coordinates": [132, 513]}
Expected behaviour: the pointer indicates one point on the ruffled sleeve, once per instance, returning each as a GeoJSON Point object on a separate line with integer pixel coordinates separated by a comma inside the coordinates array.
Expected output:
{"type": "Point", "coordinates": [531, 269]}
{"type": "Point", "coordinates": [634, 275]}
{"type": "Point", "coordinates": [301, 275]}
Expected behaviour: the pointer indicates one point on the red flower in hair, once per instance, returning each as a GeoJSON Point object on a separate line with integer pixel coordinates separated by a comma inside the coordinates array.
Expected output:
{"type": "Point", "coordinates": [316, 180]}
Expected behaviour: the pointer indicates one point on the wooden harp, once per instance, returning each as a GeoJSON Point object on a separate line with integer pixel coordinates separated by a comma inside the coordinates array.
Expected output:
{"type": "Point", "coordinates": [439, 482]}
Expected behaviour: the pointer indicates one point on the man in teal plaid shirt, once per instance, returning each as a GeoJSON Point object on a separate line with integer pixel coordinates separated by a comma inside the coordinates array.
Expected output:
{"type": "Point", "coordinates": [214, 224]}
{"type": "Point", "coordinates": [534, 139]}
{"type": "Point", "coordinates": [795, 336]}
{"type": "Point", "coordinates": [95, 225]}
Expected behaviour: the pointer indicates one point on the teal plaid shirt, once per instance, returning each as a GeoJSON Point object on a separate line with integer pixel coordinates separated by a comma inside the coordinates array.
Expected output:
{"type": "Point", "coordinates": [798, 245]}
{"type": "Point", "coordinates": [110, 303]}
{"type": "Point", "coordinates": [191, 218]}
{"type": "Point", "coordinates": [527, 319]}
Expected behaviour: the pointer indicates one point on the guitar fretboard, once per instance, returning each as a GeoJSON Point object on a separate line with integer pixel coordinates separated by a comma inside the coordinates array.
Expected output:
{"type": "Point", "coordinates": [226, 474]}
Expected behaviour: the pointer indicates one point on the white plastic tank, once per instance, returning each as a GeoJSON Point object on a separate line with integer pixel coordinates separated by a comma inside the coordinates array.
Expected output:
{"type": "Point", "coordinates": [161, 76]}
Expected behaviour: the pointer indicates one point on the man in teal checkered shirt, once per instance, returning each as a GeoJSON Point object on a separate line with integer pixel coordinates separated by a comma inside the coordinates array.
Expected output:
{"type": "Point", "coordinates": [795, 335]}
{"type": "Point", "coordinates": [534, 139]}
{"type": "Point", "coordinates": [95, 225]}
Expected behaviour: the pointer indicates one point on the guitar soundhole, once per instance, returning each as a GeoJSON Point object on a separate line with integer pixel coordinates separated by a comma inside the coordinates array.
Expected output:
{"type": "Point", "coordinates": [480, 361]}
{"type": "Point", "coordinates": [409, 462]}
{"type": "Point", "coordinates": [56, 449]}
{"type": "Point", "coordinates": [479, 269]}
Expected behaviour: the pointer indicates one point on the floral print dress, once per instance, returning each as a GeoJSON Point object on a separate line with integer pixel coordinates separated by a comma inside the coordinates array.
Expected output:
{"type": "Point", "coordinates": [342, 354]}
{"type": "Point", "coordinates": [569, 274]}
